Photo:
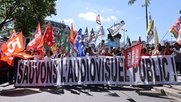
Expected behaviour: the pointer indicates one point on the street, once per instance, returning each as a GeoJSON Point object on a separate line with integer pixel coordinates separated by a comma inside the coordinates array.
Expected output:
{"type": "Point", "coordinates": [80, 94]}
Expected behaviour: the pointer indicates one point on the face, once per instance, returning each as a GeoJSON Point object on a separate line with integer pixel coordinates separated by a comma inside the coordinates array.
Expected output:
{"type": "Point", "coordinates": [106, 49]}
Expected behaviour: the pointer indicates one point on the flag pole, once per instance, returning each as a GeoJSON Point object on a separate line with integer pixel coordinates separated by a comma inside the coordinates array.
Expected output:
{"type": "Point", "coordinates": [164, 36]}
{"type": "Point", "coordinates": [124, 30]}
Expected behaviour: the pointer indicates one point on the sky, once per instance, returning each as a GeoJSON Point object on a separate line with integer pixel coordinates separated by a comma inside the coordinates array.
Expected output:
{"type": "Point", "coordinates": [82, 13]}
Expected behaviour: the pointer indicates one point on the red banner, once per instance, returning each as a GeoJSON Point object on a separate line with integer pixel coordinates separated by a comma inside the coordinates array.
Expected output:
{"type": "Point", "coordinates": [132, 56]}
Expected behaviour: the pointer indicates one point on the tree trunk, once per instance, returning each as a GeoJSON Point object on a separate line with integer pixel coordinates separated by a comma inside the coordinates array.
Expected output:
{"type": "Point", "coordinates": [2, 24]}
{"type": "Point", "coordinates": [146, 9]}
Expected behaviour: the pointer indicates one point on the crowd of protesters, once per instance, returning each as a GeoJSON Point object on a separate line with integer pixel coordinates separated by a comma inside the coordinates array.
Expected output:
{"type": "Point", "coordinates": [104, 50]}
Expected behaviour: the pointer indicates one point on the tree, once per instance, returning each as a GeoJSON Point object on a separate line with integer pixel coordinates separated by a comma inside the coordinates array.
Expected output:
{"type": "Point", "coordinates": [146, 5]}
{"type": "Point", "coordinates": [25, 14]}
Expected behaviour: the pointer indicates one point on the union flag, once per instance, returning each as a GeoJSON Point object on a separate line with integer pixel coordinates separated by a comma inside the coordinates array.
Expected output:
{"type": "Point", "coordinates": [13, 45]}
{"type": "Point", "coordinates": [49, 36]}
{"type": "Point", "coordinates": [37, 40]}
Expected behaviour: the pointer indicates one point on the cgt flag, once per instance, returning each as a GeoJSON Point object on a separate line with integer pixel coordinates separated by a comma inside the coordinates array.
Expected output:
{"type": "Point", "coordinates": [176, 28]}
{"type": "Point", "coordinates": [13, 45]}
{"type": "Point", "coordinates": [36, 41]}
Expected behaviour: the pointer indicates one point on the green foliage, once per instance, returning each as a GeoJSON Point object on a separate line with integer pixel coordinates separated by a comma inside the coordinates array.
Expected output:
{"type": "Point", "coordinates": [25, 14]}
{"type": "Point", "coordinates": [147, 2]}
{"type": "Point", "coordinates": [130, 2]}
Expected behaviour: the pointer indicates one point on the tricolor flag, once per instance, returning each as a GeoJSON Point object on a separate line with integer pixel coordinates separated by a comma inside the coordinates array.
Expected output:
{"type": "Point", "coordinates": [175, 29]}
{"type": "Point", "coordinates": [98, 19]}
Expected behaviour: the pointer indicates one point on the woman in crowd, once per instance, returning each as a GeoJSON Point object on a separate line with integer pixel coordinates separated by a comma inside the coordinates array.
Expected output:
{"type": "Point", "coordinates": [157, 50]}
{"type": "Point", "coordinates": [48, 56]}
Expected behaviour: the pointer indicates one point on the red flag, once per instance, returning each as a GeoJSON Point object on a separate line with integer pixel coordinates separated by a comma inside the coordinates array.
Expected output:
{"type": "Point", "coordinates": [13, 34]}
{"type": "Point", "coordinates": [72, 34]}
{"type": "Point", "coordinates": [132, 56]}
{"type": "Point", "coordinates": [48, 36]}
{"type": "Point", "coordinates": [40, 47]}
{"type": "Point", "coordinates": [176, 28]}
{"type": "Point", "coordinates": [13, 45]}
{"type": "Point", "coordinates": [36, 41]}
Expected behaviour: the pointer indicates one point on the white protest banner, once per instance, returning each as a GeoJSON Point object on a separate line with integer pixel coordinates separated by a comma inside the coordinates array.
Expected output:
{"type": "Point", "coordinates": [96, 70]}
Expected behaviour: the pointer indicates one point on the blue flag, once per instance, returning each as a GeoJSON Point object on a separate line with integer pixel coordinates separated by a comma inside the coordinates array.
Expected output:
{"type": "Point", "coordinates": [78, 43]}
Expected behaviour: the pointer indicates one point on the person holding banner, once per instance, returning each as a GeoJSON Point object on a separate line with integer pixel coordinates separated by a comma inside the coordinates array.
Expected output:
{"type": "Point", "coordinates": [167, 50]}
{"type": "Point", "coordinates": [89, 52]}
{"type": "Point", "coordinates": [49, 54]}
{"type": "Point", "coordinates": [37, 55]}
{"type": "Point", "coordinates": [106, 52]}
{"type": "Point", "coordinates": [66, 54]}
{"type": "Point", "coordinates": [157, 50]}
{"type": "Point", "coordinates": [144, 52]}
{"type": "Point", "coordinates": [177, 53]}
{"type": "Point", "coordinates": [176, 49]}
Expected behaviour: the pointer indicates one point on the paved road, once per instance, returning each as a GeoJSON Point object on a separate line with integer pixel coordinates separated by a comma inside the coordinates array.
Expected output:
{"type": "Point", "coordinates": [79, 94]}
